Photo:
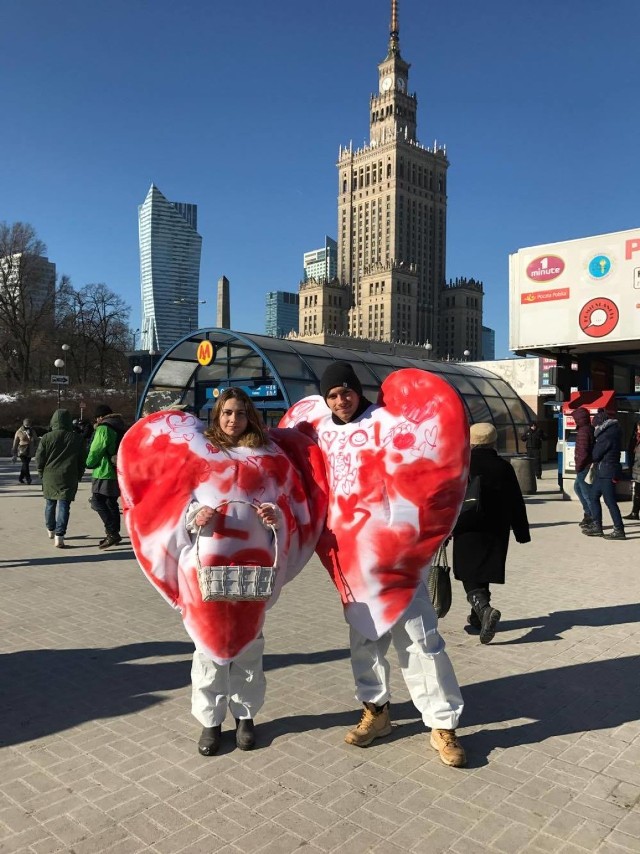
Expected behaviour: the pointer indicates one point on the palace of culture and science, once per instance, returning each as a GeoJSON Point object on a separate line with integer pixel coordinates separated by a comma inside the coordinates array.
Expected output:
{"type": "Point", "coordinates": [391, 242]}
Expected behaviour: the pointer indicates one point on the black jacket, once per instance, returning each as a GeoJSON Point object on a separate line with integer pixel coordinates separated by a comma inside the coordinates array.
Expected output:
{"type": "Point", "coordinates": [480, 553]}
{"type": "Point", "coordinates": [533, 439]}
{"type": "Point", "coordinates": [606, 451]}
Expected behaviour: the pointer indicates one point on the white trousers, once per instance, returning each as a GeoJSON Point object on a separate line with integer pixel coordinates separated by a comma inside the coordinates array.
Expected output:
{"type": "Point", "coordinates": [425, 665]}
{"type": "Point", "coordinates": [239, 685]}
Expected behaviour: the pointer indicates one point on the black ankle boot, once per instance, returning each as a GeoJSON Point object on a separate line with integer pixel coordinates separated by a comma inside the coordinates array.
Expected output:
{"type": "Point", "coordinates": [209, 741]}
{"type": "Point", "coordinates": [245, 737]}
{"type": "Point", "coordinates": [635, 507]}
{"type": "Point", "coordinates": [488, 616]}
{"type": "Point", "coordinates": [586, 522]}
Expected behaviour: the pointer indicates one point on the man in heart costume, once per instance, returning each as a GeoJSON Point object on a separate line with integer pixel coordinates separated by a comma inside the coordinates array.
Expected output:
{"type": "Point", "coordinates": [167, 470]}
{"type": "Point", "coordinates": [397, 476]}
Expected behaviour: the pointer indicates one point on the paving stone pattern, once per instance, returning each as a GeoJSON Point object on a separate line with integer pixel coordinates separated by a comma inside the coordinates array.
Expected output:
{"type": "Point", "coordinates": [99, 747]}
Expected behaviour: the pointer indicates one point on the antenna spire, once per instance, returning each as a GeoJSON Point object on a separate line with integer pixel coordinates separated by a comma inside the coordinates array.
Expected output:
{"type": "Point", "coordinates": [394, 39]}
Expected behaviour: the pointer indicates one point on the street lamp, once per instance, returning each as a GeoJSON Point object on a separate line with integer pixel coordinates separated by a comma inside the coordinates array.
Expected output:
{"type": "Point", "coordinates": [59, 363]}
{"type": "Point", "coordinates": [190, 303]}
{"type": "Point", "coordinates": [466, 354]}
{"type": "Point", "coordinates": [428, 347]}
{"type": "Point", "coordinates": [137, 370]}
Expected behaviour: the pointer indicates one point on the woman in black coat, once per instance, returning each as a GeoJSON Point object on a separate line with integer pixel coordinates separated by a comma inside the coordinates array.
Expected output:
{"type": "Point", "coordinates": [481, 536]}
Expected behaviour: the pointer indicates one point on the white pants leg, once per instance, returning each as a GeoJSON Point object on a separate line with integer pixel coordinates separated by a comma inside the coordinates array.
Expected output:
{"type": "Point", "coordinates": [370, 667]}
{"type": "Point", "coordinates": [239, 685]}
{"type": "Point", "coordinates": [425, 665]}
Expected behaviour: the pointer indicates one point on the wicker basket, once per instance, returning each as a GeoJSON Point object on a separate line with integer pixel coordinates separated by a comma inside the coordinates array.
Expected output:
{"type": "Point", "coordinates": [236, 583]}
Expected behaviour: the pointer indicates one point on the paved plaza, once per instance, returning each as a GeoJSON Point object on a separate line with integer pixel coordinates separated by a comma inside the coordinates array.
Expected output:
{"type": "Point", "coordinates": [98, 746]}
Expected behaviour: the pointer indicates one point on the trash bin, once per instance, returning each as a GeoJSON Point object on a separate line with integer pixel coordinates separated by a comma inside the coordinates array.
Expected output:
{"type": "Point", "coordinates": [524, 468]}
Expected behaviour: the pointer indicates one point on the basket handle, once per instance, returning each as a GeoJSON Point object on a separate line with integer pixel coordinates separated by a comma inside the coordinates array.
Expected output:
{"type": "Point", "coordinates": [249, 504]}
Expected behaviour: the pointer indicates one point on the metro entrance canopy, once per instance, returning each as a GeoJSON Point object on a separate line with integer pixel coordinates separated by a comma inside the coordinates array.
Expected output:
{"type": "Point", "coordinates": [277, 372]}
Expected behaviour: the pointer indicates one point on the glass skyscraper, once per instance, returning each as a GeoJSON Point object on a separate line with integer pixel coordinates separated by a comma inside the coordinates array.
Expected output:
{"type": "Point", "coordinates": [170, 248]}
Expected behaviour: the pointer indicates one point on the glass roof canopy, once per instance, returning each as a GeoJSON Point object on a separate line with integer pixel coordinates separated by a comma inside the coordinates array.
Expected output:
{"type": "Point", "coordinates": [277, 372]}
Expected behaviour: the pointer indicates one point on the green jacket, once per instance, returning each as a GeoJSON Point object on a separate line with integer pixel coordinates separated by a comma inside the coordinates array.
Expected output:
{"type": "Point", "coordinates": [104, 444]}
{"type": "Point", "coordinates": [60, 458]}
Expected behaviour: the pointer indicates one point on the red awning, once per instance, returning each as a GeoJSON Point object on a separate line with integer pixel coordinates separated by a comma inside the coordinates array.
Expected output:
{"type": "Point", "coordinates": [591, 400]}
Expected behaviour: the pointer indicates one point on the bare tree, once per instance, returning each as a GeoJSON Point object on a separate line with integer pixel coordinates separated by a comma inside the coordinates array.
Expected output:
{"type": "Point", "coordinates": [27, 298]}
{"type": "Point", "coordinates": [94, 321]}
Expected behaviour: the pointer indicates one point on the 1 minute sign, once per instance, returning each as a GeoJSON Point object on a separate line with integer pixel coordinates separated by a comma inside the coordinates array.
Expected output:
{"type": "Point", "coordinates": [205, 353]}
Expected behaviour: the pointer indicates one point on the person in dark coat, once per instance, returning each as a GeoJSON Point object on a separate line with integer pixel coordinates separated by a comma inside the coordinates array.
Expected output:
{"type": "Point", "coordinates": [481, 537]}
{"type": "Point", "coordinates": [633, 460]}
{"type": "Point", "coordinates": [533, 438]}
{"type": "Point", "coordinates": [60, 464]}
{"type": "Point", "coordinates": [606, 455]}
{"type": "Point", "coordinates": [582, 462]}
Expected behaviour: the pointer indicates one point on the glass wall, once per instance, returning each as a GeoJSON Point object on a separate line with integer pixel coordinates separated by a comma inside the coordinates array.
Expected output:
{"type": "Point", "coordinates": [277, 372]}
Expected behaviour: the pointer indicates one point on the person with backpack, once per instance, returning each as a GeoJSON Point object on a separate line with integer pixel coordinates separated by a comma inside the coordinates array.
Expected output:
{"type": "Point", "coordinates": [24, 447]}
{"type": "Point", "coordinates": [481, 534]}
{"type": "Point", "coordinates": [109, 430]}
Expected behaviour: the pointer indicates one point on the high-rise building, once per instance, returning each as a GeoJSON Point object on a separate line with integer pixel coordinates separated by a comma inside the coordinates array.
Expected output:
{"type": "Point", "coordinates": [461, 320]}
{"type": "Point", "coordinates": [488, 343]}
{"type": "Point", "coordinates": [321, 265]}
{"type": "Point", "coordinates": [281, 315]}
{"type": "Point", "coordinates": [170, 249]}
{"type": "Point", "coordinates": [392, 218]}
{"type": "Point", "coordinates": [32, 281]}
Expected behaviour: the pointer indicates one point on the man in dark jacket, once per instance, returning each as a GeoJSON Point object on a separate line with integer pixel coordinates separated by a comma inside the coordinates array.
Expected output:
{"type": "Point", "coordinates": [60, 464]}
{"type": "Point", "coordinates": [606, 455]}
{"type": "Point", "coordinates": [481, 537]}
{"type": "Point", "coordinates": [533, 438]}
{"type": "Point", "coordinates": [104, 486]}
{"type": "Point", "coordinates": [582, 461]}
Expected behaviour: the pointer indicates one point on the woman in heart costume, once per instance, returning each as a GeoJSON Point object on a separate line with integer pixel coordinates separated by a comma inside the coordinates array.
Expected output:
{"type": "Point", "coordinates": [397, 476]}
{"type": "Point", "coordinates": [176, 478]}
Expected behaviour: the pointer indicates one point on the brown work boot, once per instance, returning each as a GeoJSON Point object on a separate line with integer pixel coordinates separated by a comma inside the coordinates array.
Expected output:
{"type": "Point", "coordinates": [374, 723]}
{"type": "Point", "coordinates": [445, 741]}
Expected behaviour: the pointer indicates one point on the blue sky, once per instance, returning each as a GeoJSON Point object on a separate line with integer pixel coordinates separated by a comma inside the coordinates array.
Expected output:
{"type": "Point", "coordinates": [241, 106]}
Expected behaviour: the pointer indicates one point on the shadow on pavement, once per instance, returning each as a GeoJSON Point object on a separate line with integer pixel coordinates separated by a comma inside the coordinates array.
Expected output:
{"type": "Point", "coordinates": [551, 626]}
{"type": "Point", "coordinates": [275, 661]}
{"type": "Point", "coordinates": [64, 557]}
{"type": "Point", "coordinates": [45, 691]}
{"type": "Point", "coordinates": [574, 699]}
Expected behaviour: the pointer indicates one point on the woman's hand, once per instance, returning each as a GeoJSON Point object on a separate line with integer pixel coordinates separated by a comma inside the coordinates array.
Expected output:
{"type": "Point", "coordinates": [204, 516]}
{"type": "Point", "coordinates": [269, 514]}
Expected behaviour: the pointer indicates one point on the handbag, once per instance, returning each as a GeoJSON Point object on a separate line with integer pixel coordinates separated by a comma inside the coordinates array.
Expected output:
{"type": "Point", "coordinates": [591, 474]}
{"type": "Point", "coordinates": [439, 582]}
{"type": "Point", "coordinates": [236, 583]}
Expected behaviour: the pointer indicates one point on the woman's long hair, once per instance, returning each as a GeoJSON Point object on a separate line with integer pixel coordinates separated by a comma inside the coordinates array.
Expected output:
{"type": "Point", "coordinates": [254, 436]}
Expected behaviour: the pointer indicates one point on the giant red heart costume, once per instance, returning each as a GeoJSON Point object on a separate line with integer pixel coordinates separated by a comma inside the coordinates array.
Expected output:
{"type": "Point", "coordinates": [165, 463]}
{"type": "Point", "coordinates": [397, 478]}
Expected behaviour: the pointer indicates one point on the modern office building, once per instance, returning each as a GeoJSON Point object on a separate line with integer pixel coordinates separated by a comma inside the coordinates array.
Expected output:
{"type": "Point", "coordinates": [392, 219]}
{"type": "Point", "coordinates": [321, 265]}
{"type": "Point", "coordinates": [488, 344]}
{"type": "Point", "coordinates": [461, 320]}
{"type": "Point", "coordinates": [281, 315]}
{"type": "Point", "coordinates": [170, 248]}
{"type": "Point", "coordinates": [35, 277]}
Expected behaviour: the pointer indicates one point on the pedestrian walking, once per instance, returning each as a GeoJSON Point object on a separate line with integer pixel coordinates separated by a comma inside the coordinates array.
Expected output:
{"type": "Point", "coordinates": [533, 439]}
{"type": "Point", "coordinates": [388, 512]}
{"type": "Point", "coordinates": [24, 447]}
{"type": "Point", "coordinates": [481, 535]}
{"type": "Point", "coordinates": [633, 458]}
{"type": "Point", "coordinates": [606, 456]}
{"type": "Point", "coordinates": [109, 430]}
{"type": "Point", "coordinates": [60, 464]}
{"type": "Point", "coordinates": [583, 460]}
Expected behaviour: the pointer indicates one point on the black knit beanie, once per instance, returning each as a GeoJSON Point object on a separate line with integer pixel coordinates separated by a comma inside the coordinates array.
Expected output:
{"type": "Point", "coordinates": [101, 410]}
{"type": "Point", "coordinates": [339, 374]}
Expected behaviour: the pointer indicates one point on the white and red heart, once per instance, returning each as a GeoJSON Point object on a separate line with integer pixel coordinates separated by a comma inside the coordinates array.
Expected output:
{"type": "Point", "coordinates": [164, 464]}
{"type": "Point", "coordinates": [397, 477]}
